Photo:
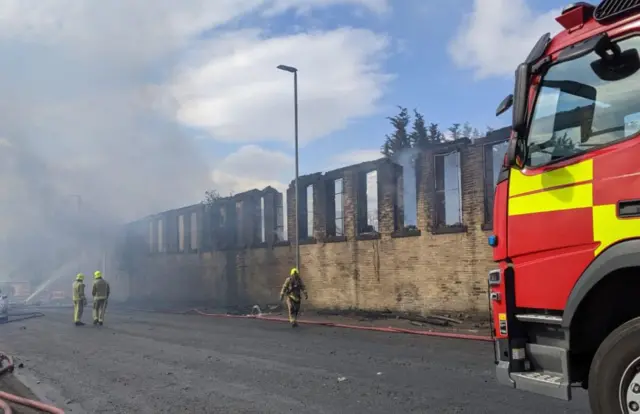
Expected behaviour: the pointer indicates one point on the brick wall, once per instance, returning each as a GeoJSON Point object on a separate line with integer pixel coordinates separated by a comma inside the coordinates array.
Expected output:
{"type": "Point", "coordinates": [435, 266]}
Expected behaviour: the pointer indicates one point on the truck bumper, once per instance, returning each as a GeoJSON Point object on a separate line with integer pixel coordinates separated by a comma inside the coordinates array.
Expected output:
{"type": "Point", "coordinates": [502, 363]}
{"type": "Point", "coordinates": [502, 374]}
{"type": "Point", "coordinates": [548, 374]}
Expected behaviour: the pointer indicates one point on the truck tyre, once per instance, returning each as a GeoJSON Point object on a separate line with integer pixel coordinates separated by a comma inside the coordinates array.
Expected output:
{"type": "Point", "coordinates": [615, 370]}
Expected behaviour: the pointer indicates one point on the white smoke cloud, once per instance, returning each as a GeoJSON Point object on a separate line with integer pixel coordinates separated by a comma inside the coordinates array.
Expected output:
{"type": "Point", "coordinates": [91, 95]}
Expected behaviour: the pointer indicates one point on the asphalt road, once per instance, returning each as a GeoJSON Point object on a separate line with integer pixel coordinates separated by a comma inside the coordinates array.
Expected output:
{"type": "Point", "coordinates": [158, 363]}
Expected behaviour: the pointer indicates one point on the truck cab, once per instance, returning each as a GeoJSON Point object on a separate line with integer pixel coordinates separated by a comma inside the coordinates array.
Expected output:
{"type": "Point", "coordinates": [565, 296]}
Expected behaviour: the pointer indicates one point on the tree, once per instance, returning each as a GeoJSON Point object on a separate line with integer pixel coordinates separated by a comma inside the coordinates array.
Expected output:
{"type": "Point", "coordinates": [419, 137]}
{"type": "Point", "coordinates": [434, 135]}
{"type": "Point", "coordinates": [210, 197]}
{"type": "Point", "coordinates": [455, 131]}
{"type": "Point", "coordinates": [467, 130]}
{"type": "Point", "coordinates": [489, 130]}
{"type": "Point", "coordinates": [475, 134]}
{"type": "Point", "coordinates": [399, 139]}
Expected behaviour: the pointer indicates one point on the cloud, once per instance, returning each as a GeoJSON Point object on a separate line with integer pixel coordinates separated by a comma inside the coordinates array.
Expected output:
{"type": "Point", "coordinates": [354, 157]}
{"type": "Point", "coordinates": [93, 94]}
{"type": "Point", "coordinates": [305, 6]}
{"type": "Point", "coordinates": [252, 167]}
{"type": "Point", "coordinates": [81, 93]}
{"type": "Point", "coordinates": [498, 35]}
{"type": "Point", "coordinates": [84, 90]}
{"type": "Point", "coordinates": [232, 89]}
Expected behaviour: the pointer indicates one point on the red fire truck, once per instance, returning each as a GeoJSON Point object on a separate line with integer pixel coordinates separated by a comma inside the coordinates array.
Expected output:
{"type": "Point", "coordinates": [566, 297]}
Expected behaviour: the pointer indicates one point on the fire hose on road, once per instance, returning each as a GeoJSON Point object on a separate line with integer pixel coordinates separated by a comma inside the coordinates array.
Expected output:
{"type": "Point", "coordinates": [452, 335]}
{"type": "Point", "coordinates": [260, 316]}
{"type": "Point", "coordinates": [7, 367]}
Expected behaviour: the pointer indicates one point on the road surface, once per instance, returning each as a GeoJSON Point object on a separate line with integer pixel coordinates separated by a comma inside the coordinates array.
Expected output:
{"type": "Point", "coordinates": [158, 363]}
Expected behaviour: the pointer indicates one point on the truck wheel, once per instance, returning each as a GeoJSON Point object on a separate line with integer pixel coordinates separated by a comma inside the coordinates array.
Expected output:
{"type": "Point", "coordinates": [614, 376]}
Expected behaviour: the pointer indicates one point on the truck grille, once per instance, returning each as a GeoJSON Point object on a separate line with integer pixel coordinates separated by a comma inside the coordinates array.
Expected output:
{"type": "Point", "coordinates": [609, 9]}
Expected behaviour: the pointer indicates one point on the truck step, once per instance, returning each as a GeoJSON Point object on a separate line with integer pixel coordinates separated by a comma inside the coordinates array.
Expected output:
{"type": "Point", "coordinates": [551, 384]}
{"type": "Point", "coordinates": [539, 318]}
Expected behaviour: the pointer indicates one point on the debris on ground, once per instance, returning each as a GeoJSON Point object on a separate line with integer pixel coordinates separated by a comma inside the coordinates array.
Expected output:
{"type": "Point", "coordinates": [447, 318]}
{"type": "Point", "coordinates": [430, 319]}
{"type": "Point", "coordinates": [427, 320]}
{"type": "Point", "coordinates": [342, 379]}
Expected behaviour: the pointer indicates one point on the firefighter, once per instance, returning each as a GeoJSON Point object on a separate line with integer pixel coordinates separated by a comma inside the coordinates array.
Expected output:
{"type": "Point", "coordinates": [292, 288]}
{"type": "Point", "coordinates": [79, 299]}
{"type": "Point", "coordinates": [100, 293]}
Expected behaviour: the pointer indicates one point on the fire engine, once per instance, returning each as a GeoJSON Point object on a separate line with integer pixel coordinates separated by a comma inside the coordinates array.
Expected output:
{"type": "Point", "coordinates": [566, 236]}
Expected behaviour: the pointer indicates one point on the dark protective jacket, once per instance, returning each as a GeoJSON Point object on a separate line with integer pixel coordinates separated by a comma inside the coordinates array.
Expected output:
{"type": "Point", "coordinates": [100, 289]}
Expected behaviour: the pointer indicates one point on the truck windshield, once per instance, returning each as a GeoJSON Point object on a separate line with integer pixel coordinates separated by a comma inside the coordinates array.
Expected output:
{"type": "Point", "coordinates": [576, 111]}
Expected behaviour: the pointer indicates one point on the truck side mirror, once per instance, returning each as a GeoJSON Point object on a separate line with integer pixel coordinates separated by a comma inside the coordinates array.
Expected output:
{"type": "Point", "coordinates": [506, 103]}
{"type": "Point", "coordinates": [521, 99]}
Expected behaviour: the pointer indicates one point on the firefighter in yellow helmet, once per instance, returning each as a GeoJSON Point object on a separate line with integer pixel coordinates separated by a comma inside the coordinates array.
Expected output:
{"type": "Point", "coordinates": [292, 289]}
{"type": "Point", "coordinates": [100, 293]}
{"type": "Point", "coordinates": [79, 299]}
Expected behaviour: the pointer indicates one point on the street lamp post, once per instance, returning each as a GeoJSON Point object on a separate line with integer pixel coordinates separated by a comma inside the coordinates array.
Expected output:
{"type": "Point", "coordinates": [293, 70]}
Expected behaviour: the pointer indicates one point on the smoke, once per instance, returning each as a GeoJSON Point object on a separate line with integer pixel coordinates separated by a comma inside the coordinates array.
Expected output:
{"type": "Point", "coordinates": [87, 138]}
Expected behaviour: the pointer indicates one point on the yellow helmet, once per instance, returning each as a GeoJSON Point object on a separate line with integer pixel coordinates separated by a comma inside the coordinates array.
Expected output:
{"type": "Point", "coordinates": [80, 276]}
{"type": "Point", "coordinates": [97, 274]}
{"type": "Point", "coordinates": [294, 271]}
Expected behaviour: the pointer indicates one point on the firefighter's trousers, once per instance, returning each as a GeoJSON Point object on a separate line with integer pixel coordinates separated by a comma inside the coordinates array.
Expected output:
{"type": "Point", "coordinates": [293, 304]}
{"type": "Point", "coordinates": [78, 310]}
{"type": "Point", "coordinates": [99, 308]}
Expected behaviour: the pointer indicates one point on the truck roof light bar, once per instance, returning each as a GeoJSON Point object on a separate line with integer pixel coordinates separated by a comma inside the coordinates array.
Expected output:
{"type": "Point", "coordinates": [575, 15]}
{"type": "Point", "coordinates": [610, 9]}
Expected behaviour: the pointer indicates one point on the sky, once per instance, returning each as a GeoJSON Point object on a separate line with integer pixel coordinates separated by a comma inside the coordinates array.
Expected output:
{"type": "Point", "coordinates": [141, 109]}
{"type": "Point", "coordinates": [357, 60]}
